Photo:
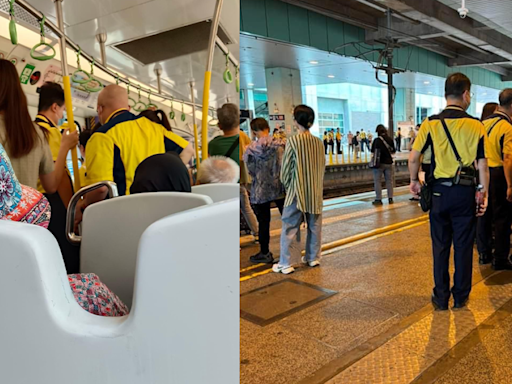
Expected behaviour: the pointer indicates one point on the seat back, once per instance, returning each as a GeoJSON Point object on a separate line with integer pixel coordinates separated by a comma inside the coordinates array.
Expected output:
{"type": "Point", "coordinates": [218, 192]}
{"type": "Point", "coordinates": [111, 231]}
{"type": "Point", "coordinates": [183, 328]}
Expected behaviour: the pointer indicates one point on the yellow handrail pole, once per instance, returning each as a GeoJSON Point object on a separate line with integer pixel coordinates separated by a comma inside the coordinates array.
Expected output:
{"type": "Point", "coordinates": [67, 90]}
{"type": "Point", "coordinates": [196, 138]}
{"type": "Point", "coordinates": [208, 78]}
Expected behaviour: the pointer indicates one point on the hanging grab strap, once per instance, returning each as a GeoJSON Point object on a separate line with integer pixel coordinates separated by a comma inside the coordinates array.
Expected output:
{"type": "Point", "coordinates": [80, 76]}
{"type": "Point", "coordinates": [228, 77]}
{"type": "Point", "coordinates": [42, 43]}
{"type": "Point", "coordinates": [150, 104]}
{"type": "Point", "coordinates": [142, 106]}
{"type": "Point", "coordinates": [237, 79]}
{"type": "Point", "coordinates": [93, 85]}
{"type": "Point", "coordinates": [131, 101]}
{"type": "Point", "coordinates": [172, 114]}
{"type": "Point", "coordinates": [183, 116]}
{"type": "Point", "coordinates": [12, 24]}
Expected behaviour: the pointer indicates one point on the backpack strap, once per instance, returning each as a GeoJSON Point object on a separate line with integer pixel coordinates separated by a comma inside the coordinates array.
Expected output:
{"type": "Point", "coordinates": [233, 146]}
{"type": "Point", "coordinates": [490, 129]}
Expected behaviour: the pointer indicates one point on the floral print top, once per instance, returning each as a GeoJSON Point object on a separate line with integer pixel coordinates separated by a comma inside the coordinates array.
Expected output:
{"type": "Point", "coordinates": [263, 159]}
{"type": "Point", "coordinates": [10, 188]}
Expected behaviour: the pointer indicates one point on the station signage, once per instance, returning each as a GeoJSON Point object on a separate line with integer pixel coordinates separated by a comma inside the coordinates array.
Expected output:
{"type": "Point", "coordinates": [277, 118]}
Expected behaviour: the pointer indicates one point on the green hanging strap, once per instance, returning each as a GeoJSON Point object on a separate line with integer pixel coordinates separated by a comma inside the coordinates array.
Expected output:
{"type": "Point", "coordinates": [172, 114]}
{"type": "Point", "coordinates": [183, 116]}
{"type": "Point", "coordinates": [237, 79]}
{"type": "Point", "coordinates": [228, 77]}
{"type": "Point", "coordinates": [42, 43]}
{"type": "Point", "coordinates": [94, 85]}
{"type": "Point", "coordinates": [12, 24]}
{"type": "Point", "coordinates": [150, 104]}
{"type": "Point", "coordinates": [139, 105]}
{"type": "Point", "coordinates": [80, 76]}
{"type": "Point", "coordinates": [133, 102]}
{"type": "Point", "coordinates": [117, 78]}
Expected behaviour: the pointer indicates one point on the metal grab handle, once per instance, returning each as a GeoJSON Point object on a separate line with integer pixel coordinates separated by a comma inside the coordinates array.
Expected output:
{"type": "Point", "coordinates": [70, 217]}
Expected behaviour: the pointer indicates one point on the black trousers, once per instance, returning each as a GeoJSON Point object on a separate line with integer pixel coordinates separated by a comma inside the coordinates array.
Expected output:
{"type": "Point", "coordinates": [338, 146]}
{"type": "Point", "coordinates": [264, 215]}
{"type": "Point", "coordinates": [452, 219]}
{"type": "Point", "coordinates": [398, 141]}
{"type": "Point", "coordinates": [331, 144]}
{"type": "Point", "coordinates": [501, 212]}
{"type": "Point", "coordinates": [325, 146]}
{"type": "Point", "coordinates": [57, 226]}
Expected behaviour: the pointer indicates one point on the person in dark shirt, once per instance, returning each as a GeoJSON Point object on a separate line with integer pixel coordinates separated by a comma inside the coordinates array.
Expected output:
{"type": "Point", "coordinates": [385, 145]}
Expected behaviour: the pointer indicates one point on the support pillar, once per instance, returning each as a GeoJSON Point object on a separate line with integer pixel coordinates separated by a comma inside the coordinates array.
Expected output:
{"type": "Point", "coordinates": [284, 91]}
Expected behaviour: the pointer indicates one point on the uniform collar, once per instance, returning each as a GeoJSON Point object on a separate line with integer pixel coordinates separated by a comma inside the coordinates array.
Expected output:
{"type": "Point", "coordinates": [47, 120]}
{"type": "Point", "coordinates": [455, 107]}
{"type": "Point", "coordinates": [116, 113]}
{"type": "Point", "coordinates": [504, 115]}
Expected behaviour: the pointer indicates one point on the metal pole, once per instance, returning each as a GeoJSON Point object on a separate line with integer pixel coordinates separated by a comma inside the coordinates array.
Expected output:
{"type": "Point", "coordinates": [391, 96]}
{"type": "Point", "coordinates": [158, 73]}
{"type": "Point", "coordinates": [101, 37]}
{"type": "Point", "coordinates": [208, 78]}
{"type": "Point", "coordinates": [196, 135]}
{"type": "Point", "coordinates": [67, 89]}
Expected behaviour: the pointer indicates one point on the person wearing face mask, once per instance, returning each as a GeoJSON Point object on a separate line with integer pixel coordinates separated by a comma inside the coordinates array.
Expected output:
{"type": "Point", "coordinates": [457, 141]}
{"type": "Point", "coordinates": [50, 117]}
{"type": "Point", "coordinates": [263, 160]}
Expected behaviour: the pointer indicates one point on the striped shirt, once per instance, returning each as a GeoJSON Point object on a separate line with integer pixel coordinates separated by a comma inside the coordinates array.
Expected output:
{"type": "Point", "coordinates": [303, 171]}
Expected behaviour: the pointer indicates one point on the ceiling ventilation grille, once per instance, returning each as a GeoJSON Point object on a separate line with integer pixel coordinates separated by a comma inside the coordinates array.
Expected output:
{"type": "Point", "coordinates": [171, 44]}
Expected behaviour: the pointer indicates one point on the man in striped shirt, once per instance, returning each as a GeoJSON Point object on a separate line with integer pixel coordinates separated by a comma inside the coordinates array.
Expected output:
{"type": "Point", "coordinates": [302, 175]}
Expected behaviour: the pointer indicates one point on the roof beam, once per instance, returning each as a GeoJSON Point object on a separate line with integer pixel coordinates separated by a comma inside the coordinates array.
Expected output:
{"type": "Point", "coordinates": [470, 59]}
{"type": "Point", "coordinates": [335, 10]}
{"type": "Point", "coordinates": [403, 31]}
{"type": "Point", "coordinates": [446, 15]}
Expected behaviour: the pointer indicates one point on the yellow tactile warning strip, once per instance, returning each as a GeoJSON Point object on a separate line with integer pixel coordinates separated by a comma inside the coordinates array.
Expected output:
{"type": "Point", "coordinates": [263, 269]}
{"type": "Point", "coordinates": [410, 353]}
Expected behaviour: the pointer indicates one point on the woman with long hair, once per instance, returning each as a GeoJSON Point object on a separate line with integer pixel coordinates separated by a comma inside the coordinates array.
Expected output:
{"type": "Point", "coordinates": [488, 110]}
{"type": "Point", "coordinates": [24, 141]}
{"type": "Point", "coordinates": [157, 116]}
{"type": "Point", "coordinates": [302, 175]}
{"type": "Point", "coordinates": [384, 144]}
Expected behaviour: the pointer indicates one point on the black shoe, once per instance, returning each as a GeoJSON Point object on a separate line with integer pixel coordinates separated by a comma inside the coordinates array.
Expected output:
{"type": "Point", "coordinates": [438, 306]}
{"type": "Point", "coordinates": [501, 265]}
{"type": "Point", "coordinates": [484, 258]}
{"type": "Point", "coordinates": [460, 304]}
{"type": "Point", "coordinates": [377, 202]}
{"type": "Point", "coordinates": [261, 258]}
{"type": "Point", "coordinates": [414, 199]}
{"type": "Point", "coordinates": [390, 201]}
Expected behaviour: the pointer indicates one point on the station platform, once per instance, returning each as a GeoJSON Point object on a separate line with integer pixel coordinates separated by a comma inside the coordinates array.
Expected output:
{"type": "Point", "coordinates": [364, 315]}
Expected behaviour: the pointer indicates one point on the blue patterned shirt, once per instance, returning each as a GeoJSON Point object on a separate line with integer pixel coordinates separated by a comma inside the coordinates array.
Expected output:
{"type": "Point", "coordinates": [263, 159]}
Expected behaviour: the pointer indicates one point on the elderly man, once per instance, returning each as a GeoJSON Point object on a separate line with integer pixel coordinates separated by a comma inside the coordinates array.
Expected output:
{"type": "Point", "coordinates": [124, 140]}
{"type": "Point", "coordinates": [218, 169]}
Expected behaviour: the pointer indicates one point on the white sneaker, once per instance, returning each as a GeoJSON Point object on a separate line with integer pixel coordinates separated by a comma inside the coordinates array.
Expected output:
{"type": "Point", "coordinates": [283, 269]}
{"type": "Point", "coordinates": [314, 263]}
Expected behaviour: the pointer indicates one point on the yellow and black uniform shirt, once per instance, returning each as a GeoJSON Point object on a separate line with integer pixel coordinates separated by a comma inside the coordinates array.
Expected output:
{"type": "Point", "coordinates": [54, 139]}
{"type": "Point", "coordinates": [499, 131]}
{"type": "Point", "coordinates": [116, 149]}
{"type": "Point", "coordinates": [468, 134]}
{"type": "Point", "coordinates": [338, 136]}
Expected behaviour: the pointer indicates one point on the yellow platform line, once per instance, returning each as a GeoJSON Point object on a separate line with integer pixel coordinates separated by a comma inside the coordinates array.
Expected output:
{"type": "Point", "coordinates": [333, 219]}
{"type": "Point", "coordinates": [370, 235]}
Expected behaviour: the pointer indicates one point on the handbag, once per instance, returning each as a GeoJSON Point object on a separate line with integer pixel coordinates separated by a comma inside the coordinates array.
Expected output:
{"type": "Point", "coordinates": [375, 159]}
{"type": "Point", "coordinates": [426, 197]}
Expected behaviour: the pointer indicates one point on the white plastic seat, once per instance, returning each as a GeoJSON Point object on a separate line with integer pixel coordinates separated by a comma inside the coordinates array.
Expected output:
{"type": "Point", "coordinates": [111, 231]}
{"type": "Point", "coordinates": [183, 327]}
{"type": "Point", "coordinates": [218, 192]}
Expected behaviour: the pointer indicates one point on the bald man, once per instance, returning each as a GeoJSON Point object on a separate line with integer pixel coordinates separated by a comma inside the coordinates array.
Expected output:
{"type": "Point", "coordinates": [122, 142]}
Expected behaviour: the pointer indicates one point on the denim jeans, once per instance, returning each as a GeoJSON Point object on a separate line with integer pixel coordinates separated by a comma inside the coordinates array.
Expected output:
{"type": "Point", "coordinates": [292, 218]}
{"type": "Point", "coordinates": [245, 207]}
{"type": "Point", "coordinates": [385, 169]}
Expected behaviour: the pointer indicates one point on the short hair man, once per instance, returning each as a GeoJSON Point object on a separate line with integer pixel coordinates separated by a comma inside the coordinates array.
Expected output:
{"type": "Point", "coordinates": [453, 211]}
{"type": "Point", "coordinates": [232, 144]}
{"type": "Point", "coordinates": [218, 169]}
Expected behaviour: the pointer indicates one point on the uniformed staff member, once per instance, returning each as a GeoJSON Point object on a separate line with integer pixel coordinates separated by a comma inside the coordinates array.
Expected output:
{"type": "Point", "coordinates": [50, 116]}
{"type": "Point", "coordinates": [499, 132]}
{"type": "Point", "coordinates": [453, 210]}
{"type": "Point", "coordinates": [122, 142]}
